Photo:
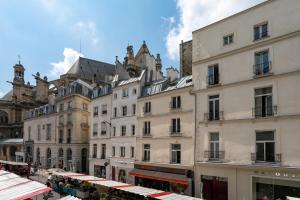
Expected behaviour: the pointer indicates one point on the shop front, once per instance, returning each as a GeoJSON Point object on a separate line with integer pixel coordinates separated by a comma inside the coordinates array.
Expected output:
{"type": "Point", "coordinates": [100, 171]}
{"type": "Point", "coordinates": [161, 178]}
{"type": "Point", "coordinates": [267, 188]}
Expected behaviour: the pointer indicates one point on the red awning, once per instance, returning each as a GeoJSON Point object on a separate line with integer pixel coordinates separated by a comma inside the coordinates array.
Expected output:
{"type": "Point", "coordinates": [161, 176]}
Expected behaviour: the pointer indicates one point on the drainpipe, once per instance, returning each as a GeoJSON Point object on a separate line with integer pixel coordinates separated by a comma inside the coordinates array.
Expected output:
{"type": "Point", "coordinates": [195, 130]}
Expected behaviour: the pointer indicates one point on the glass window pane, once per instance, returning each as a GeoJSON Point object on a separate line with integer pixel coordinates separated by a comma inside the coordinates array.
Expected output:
{"type": "Point", "coordinates": [214, 136]}
{"type": "Point", "coordinates": [270, 151]}
{"type": "Point", "coordinates": [265, 136]}
{"type": "Point", "coordinates": [260, 152]}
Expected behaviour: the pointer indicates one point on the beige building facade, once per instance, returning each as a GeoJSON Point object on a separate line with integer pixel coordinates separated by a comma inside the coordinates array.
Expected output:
{"type": "Point", "coordinates": [246, 74]}
{"type": "Point", "coordinates": [164, 149]}
{"type": "Point", "coordinates": [59, 131]}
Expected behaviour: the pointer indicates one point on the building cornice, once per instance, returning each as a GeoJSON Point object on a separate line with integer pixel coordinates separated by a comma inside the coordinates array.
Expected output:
{"type": "Point", "coordinates": [257, 44]}
{"type": "Point", "coordinates": [165, 114]}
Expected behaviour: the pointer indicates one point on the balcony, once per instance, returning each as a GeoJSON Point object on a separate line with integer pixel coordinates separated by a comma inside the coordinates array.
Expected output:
{"type": "Point", "coordinates": [267, 111]}
{"type": "Point", "coordinates": [175, 132]}
{"type": "Point", "coordinates": [68, 140]}
{"type": "Point", "coordinates": [213, 116]}
{"type": "Point", "coordinates": [213, 80]}
{"type": "Point", "coordinates": [272, 159]}
{"type": "Point", "coordinates": [214, 155]}
{"type": "Point", "coordinates": [262, 69]}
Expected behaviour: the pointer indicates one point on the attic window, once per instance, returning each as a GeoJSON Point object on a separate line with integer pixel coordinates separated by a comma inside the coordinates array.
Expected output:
{"type": "Point", "coordinates": [189, 80]}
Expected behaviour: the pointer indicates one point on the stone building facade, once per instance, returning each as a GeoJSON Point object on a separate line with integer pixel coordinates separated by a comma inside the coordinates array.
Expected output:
{"type": "Point", "coordinates": [185, 53]}
{"type": "Point", "coordinates": [165, 141]}
{"type": "Point", "coordinates": [246, 75]}
{"type": "Point", "coordinates": [13, 105]}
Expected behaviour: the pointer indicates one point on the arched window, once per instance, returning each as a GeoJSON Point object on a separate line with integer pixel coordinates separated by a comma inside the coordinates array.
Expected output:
{"type": "Point", "coordinates": [3, 117]}
{"type": "Point", "coordinates": [48, 153]}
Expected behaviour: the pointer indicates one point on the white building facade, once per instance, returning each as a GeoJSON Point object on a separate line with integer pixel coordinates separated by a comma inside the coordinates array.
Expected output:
{"type": "Point", "coordinates": [246, 71]}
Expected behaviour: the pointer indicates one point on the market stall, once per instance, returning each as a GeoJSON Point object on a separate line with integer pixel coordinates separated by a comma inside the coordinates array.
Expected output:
{"type": "Point", "coordinates": [20, 168]}
{"type": "Point", "coordinates": [118, 190]}
{"type": "Point", "coordinates": [15, 187]}
{"type": "Point", "coordinates": [69, 198]}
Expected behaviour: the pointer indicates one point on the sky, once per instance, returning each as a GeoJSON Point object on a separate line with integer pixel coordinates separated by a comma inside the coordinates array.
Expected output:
{"type": "Point", "coordinates": [49, 35]}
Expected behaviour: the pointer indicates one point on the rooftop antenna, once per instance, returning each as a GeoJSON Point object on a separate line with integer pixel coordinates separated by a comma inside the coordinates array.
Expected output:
{"type": "Point", "coordinates": [19, 57]}
{"type": "Point", "coordinates": [80, 46]}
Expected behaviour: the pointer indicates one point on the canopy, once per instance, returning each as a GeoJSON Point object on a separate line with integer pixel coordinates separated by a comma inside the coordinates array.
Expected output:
{"type": "Point", "coordinates": [13, 187]}
{"type": "Point", "coordinates": [13, 163]}
{"type": "Point", "coordinates": [146, 192]}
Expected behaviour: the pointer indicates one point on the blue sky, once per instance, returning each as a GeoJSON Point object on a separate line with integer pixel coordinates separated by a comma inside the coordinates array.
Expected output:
{"type": "Point", "coordinates": [47, 33]}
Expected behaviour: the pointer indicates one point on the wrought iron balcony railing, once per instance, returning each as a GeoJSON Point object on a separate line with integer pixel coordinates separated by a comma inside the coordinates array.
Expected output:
{"type": "Point", "coordinates": [276, 158]}
{"type": "Point", "coordinates": [213, 116]}
{"type": "Point", "coordinates": [261, 69]}
{"type": "Point", "coordinates": [214, 155]}
{"type": "Point", "coordinates": [266, 111]}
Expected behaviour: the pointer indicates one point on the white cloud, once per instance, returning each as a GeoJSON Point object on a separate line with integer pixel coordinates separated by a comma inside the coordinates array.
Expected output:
{"type": "Point", "coordinates": [88, 31]}
{"type": "Point", "coordinates": [61, 67]}
{"type": "Point", "coordinates": [194, 14]}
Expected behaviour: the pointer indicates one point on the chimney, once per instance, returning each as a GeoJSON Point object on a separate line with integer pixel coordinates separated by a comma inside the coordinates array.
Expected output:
{"type": "Point", "coordinates": [172, 73]}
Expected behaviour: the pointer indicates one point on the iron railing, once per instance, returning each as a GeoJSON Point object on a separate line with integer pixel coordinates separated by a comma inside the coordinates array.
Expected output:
{"type": "Point", "coordinates": [213, 116]}
{"type": "Point", "coordinates": [266, 111]}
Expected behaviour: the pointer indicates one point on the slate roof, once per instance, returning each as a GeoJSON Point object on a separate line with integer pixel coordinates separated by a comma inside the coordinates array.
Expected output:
{"type": "Point", "coordinates": [88, 69]}
{"type": "Point", "coordinates": [7, 96]}
{"type": "Point", "coordinates": [165, 85]}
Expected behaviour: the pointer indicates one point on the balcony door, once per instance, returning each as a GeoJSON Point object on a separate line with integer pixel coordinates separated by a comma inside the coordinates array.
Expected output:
{"type": "Point", "coordinates": [263, 102]}
{"type": "Point", "coordinates": [214, 146]}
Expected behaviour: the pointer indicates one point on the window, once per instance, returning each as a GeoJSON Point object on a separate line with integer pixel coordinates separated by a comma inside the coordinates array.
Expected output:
{"type": "Point", "coordinates": [29, 132]}
{"type": "Point", "coordinates": [113, 151]}
{"type": "Point", "coordinates": [261, 31]}
{"type": "Point", "coordinates": [176, 102]}
{"type": "Point", "coordinates": [125, 92]}
{"type": "Point", "coordinates": [228, 39]}
{"type": "Point", "coordinates": [214, 146]}
{"type": "Point", "coordinates": [147, 107]}
{"type": "Point", "coordinates": [262, 63]}
{"type": "Point", "coordinates": [84, 106]}
{"type": "Point", "coordinates": [114, 131]}
{"type": "Point", "coordinates": [61, 119]}
{"type": "Point", "coordinates": [147, 129]}
{"type": "Point", "coordinates": [134, 91]}
{"type": "Point", "coordinates": [69, 136]}
{"type": "Point", "coordinates": [213, 74]}
{"type": "Point", "coordinates": [115, 95]}
{"type": "Point", "coordinates": [95, 129]}
{"type": "Point", "coordinates": [265, 146]}
{"type": "Point", "coordinates": [103, 128]}
{"type": "Point", "coordinates": [132, 152]}
{"type": "Point", "coordinates": [69, 105]}
{"type": "Point", "coordinates": [61, 107]}
{"type": "Point", "coordinates": [176, 153]}
{"type": "Point", "coordinates": [69, 118]}
{"type": "Point", "coordinates": [263, 102]}
{"type": "Point", "coordinates": [104, 109]}
{"type": "Point", "coordinates": [175, 127]}
{"type": "Point", "coordinates": [146, 152]}
{"type": "Point", "coordinates": [94, 150]}
{"type": "Point", "coordinates": [115, 112]}
{"type": "Point", "coordinates": [48, 132]}
{"type": "Point", "coordinates": [61, 136]}
{"type": "Point", "coordinates": [213, 102]}
{"type": "Point", "coordinates": [95, 111]}
{"type": "Point", "coordinates": [133, 129]}
{"type": "Point", "coordinates": [124, 110]}
{"type": "Point", "coordinates": [39, 132]}
{"type": "Point", "coordinates": [133, 109]}
{"type": "Point", "coordinates": [103, 151]}
{"type": "Point", "coordinates": [122, 151]}
{"type": "Point", "coordinates": [123, 130]}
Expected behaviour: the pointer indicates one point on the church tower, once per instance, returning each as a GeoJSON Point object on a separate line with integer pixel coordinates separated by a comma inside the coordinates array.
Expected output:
{"type": "Point", "coordinates": [19, 74]}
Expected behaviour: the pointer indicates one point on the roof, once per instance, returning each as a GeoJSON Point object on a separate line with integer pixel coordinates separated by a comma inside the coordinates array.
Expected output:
{"type": "Point", "coordinates": [131, 80]}
{"type": "Point", "coordinates": [88, 69]}
{"type": "Point", "coordinates": [13, 186]}
{"type": "Point", "coordinates": [166, 85]}
{"type": "Point", "coordinates": [12, 141]}
{"type": "Point", "coordinates": [7, 96]}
